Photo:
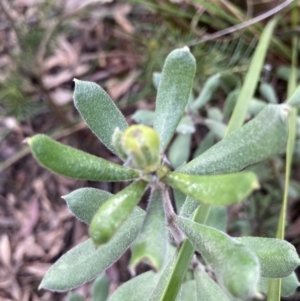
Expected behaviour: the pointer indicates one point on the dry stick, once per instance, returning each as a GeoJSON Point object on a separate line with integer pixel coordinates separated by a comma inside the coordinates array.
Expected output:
{"type": "Point", "coordinates": [26, 150]}
{"type": "Point", "coordinates": [11, 20]}
{"type": "Point", "coordinates": [240, 26]}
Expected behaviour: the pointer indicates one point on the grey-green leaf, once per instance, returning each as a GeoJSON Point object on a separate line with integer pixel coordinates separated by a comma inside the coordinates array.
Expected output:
{"type": "Point", "coordinates": [236, 267]}
{"type": "Point", "coordinates": [262, 137]}
{"type": "Point", "coordinates": [158, 291]}
{"type": "Point", "coordinates": [189, 291]}
{"type": "Point", "coordinates": [98, 111]}
{"type": "Point", "coordinates": [72, 296]}
{"type": "Point", "coordinates": [207, 289]}
{"type": "Point", "coordinates": [214, 189]}
{"type": "Point", "coordinates": [268, 92]}
{"type": "Point", "coordinates": [294, 100]}
{"type": "Point", "coordinates": [186, 125]}
{"type": "Point", "coordinates": [152, 241]}
{"type": "Point", "coordinates": [288, 285]}
{"type": "Point", "coordinates": [179, 199]}
{"type": "Point", "coordinates": [278, 258]}
{"type": "Point", "coordinates": [100, 288]}
{"type": "Point", "coordinates": [217, 127]}
{"type": "Point", "coordinates": [136, 289]}
{"type": "Point", "coordinates": [84, 202]}
{"type": "Point", "coordinates": [217, 218]}
{"type": "Point", "coordinates": [230, 102]}
{"type": "Point", "coordinates": [179, 151]}
{"type": "Point", "coordinates": [144, 117]}
{"type": "Point", "coordinates": [207, 142]}
{"type": "Point", "coordinates": [215, 114]}
{"type": "Point", "coordinates": [84, 262]}
{"type": "Point", "coordinates": [256, 106]}
{"type": "Point", "coordinates": [189, 207]}
{"type": "Point", "coordinates": [173, 93]}
{"type": "Point", "coordinates": [207, 91]}
{"type": "Point", "coordinates": [76, 164]}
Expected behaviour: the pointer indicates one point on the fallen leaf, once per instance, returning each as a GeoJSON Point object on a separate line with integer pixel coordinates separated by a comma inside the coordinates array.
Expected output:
{"type": "Point", "coordinates": [120, 13]}
{"type": "Point", "coordinates": [30, 220]}
{"type": "Point", "coordinates": [118, 88]}
{"type": "Point", "coordinates": [61, 96]}
{"type": "Point", "coordinates": [5, 251]}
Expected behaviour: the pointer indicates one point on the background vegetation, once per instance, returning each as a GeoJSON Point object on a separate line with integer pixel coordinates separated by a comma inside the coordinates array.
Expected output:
{"type": "Point", "coordinates": [119, 44]}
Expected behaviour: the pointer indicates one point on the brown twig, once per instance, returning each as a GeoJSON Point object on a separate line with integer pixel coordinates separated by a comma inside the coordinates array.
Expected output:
{"type": "Point", "coordinates": [242, 25]}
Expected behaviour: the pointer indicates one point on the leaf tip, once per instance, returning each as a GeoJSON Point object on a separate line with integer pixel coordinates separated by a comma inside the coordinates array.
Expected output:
{"type": "Point", "coordinates": [256, 185]}
{"type": "Point", "coordinates": [41, 286]}
{"type": "Point", "coordinates": [28, 141]}
{"type": "Point", "coordinates": [186, 48]}
{"type": "Point", "coordinates": [286, 108]}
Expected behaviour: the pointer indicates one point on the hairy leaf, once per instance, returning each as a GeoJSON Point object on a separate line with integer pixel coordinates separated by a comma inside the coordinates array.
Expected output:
{"type": "Point", "coordinates": [152, 241]}
{"type": "Point", "coordinates": [84, 202]}
{"type": "Point", "coordinates": [259, 139]}
{"type": "Point", "coordinates": [278, 258]}
{"type": "Point", "coordinates": [189, 291]}
{"type": "Point", "coordinates": [207, 289]}
{"type": "Point", "coordinates": [100, 288]}
{"type": "Point", "coordinates": [136, 289]}
{"type": "Point", "coordinates": [236, 267]}
{"type": "Point", "coordinates": [112, 214]}
{"type": "Point", "coordinates": [179, 151]}
{"type": "Point", "coordinates": [76, 164]}
{"type": "Point", "coordinates": [173, 93]}
{"type": "Point", "coordinates": [207, 91]}
{"type": "Point", "coordinates": [214, 189]}
{"type": "Point", "coordinates": [85, 262]}
{"type": "Point", "coordinates": [72, 296]}
{"type": "Point", "coordinates": [98, 111]}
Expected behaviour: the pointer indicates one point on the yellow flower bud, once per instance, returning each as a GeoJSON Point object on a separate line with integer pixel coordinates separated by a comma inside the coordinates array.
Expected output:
{"type": "Point", "coordinates": [141, 144]}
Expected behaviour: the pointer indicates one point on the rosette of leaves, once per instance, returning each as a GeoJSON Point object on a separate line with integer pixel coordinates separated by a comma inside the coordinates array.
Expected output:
{"type": "Point", "coordinates": [211, 180]}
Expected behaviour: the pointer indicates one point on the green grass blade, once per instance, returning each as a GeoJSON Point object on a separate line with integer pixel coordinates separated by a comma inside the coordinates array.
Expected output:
{"type": "Point", "coordinates": [274, 290]}
{"type": "Point", "coordinates": [251, 79]}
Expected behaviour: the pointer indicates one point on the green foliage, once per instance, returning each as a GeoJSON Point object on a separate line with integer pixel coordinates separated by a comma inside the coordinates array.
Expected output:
{"type": "Point", "coordinates": [76, 164]}
{"type": "Point", "coordinates": [98, 110]}
{"type": "Point", "coordinates": [85, 262]}
{"type": "Point", "coordinates": [100, 288]}
{"type": "Point", "coordinates": [111, 215]}
{"type": "Point", "coordinates": [237, 269]}
{"type": "Point", "coordinates": [207, 289]}
{"type": "Point", "coordinates": [259, 139]}
{"type": "Point", "coordinates": [216, 189]}
{"type": "Point", "coordinates": [178, 71]}
{"type": "Point", "coordinates": [213, 178]}
{"type": "Point", "coordinates": [151, 245]}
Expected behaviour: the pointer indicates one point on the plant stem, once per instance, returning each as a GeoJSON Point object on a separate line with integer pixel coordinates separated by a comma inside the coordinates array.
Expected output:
{"type": "Point", "coordinates": [184, 258]}
{"type": "Point", "coordinates": [170, 216]}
